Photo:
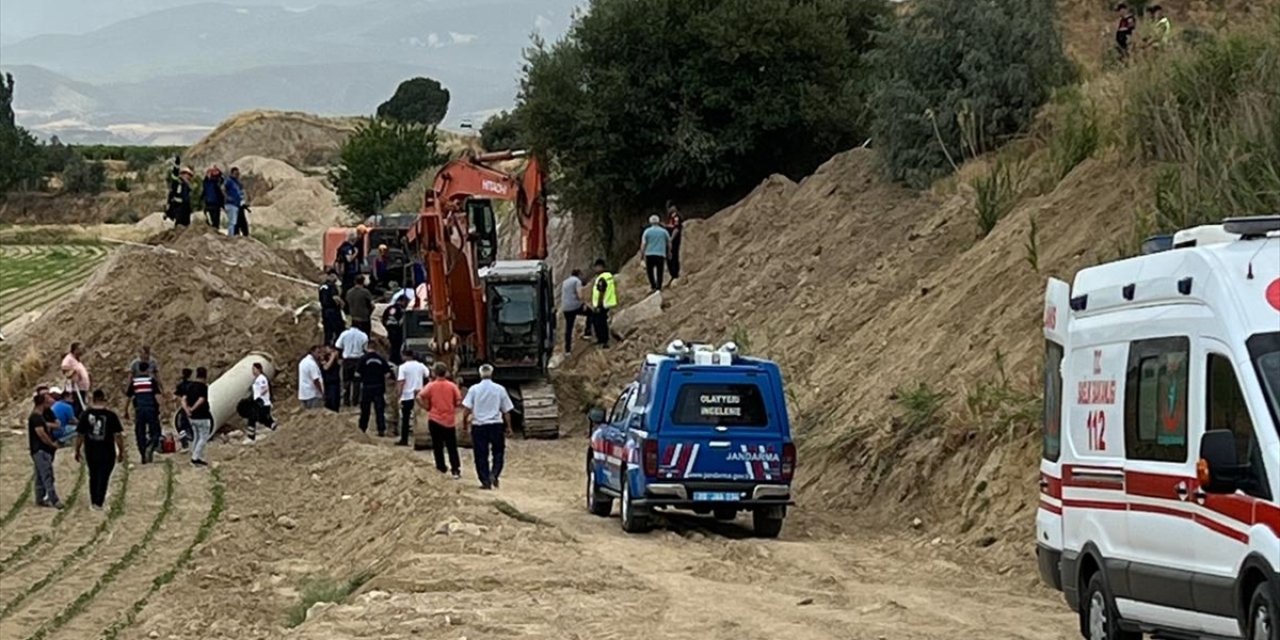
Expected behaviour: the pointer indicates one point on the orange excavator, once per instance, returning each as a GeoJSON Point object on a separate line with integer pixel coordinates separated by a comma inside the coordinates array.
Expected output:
{"type": "Point", "coordinates": [482, 309]}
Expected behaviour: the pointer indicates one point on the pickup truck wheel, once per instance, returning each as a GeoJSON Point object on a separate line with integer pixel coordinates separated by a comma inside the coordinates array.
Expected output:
{"type": "Point", "coordinates": [1264, 615]}
{"type": "Point", "coordinates": [597, 503]}
{"type": "Point", "coordinates": [767, 522]}
{"type": "Point", "coordinates": [1098, 617]}
{"type": "Point", "coordinates": [632, 522]}
{"type": "Point", "coordinates": [724, 513]}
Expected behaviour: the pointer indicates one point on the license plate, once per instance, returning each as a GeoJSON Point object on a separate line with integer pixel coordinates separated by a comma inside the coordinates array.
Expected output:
{"type": "Point", "coordinates": [715, 496]}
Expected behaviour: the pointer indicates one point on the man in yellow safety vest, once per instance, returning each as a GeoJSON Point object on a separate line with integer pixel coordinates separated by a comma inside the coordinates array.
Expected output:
{"type": "Point", "coordinates": [604, 296]}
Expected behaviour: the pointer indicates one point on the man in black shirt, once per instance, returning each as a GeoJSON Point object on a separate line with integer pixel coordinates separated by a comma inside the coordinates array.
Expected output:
{"type": "Point", "coordinates": [181, 422]}
{"type": "Point", "coordinates": [196, 405]}
{"type": "Point", "coordinates": [372, 373]}
{"type": "Point", "coordinates": [331, 308]}
{"type": "Point", "coordinates": [393, 321]}
{"type": "Point", "coordinates": [144, 389]}
{"type": "Point", "coordinates": [43, 447]}
{"type": "Point", "coordinates": [102, 441]}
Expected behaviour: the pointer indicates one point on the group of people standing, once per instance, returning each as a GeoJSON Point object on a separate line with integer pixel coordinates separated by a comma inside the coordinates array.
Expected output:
{"type": "Point", "coordinates": [220, 193]}
{"type": "Point", "coordinates": [78, 414]}
{"type": "Point", "coordinates": [1157, 29]}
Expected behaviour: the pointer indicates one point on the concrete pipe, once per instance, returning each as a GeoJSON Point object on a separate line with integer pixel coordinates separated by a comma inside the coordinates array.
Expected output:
{"type": "Point", "coordinates": [235, 385]}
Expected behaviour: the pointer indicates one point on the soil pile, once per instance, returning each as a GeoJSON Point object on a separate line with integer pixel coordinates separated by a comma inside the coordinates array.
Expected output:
{"type": "Point", "coordinates": [299, 139]}
{"type": "Point", "coordinates": [197, 298]}
{"type": "Point", "coordinates": [863, 291]}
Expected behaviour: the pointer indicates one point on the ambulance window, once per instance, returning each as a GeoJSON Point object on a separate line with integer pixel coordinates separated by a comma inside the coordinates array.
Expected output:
{"type": "Point", "coordinates": [1226, 405]}
{"type": "Point", "coordinates": [1156, 400]}
{"type": "Point", "coordinates": [1052, 427]}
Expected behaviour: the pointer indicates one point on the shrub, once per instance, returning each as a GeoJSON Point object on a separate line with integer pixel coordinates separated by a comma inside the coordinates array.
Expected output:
{"type": "Point", "coordinates": [1075, 133]}
{"type": "Point", "coordinates": [996, 193]}
{"type": "Point", "coordinates": [646, 100]}
{"type": "Point", "coordinates": [84, 177]}
{"type": "Point", "coordinates": [501, 132]}
{"type": "Point", "coordinates": [122, 184]}
{"type": "Point", "coordinates": [379, 160]}
{"type": "Point", "coordinates": [1211, 116]}
{"type": "Point", "coordinates": [957, 78]}
{"type": "Point", "coordinates": [920, 406]}
{"type": "Point", "coordinates": [417, 101]}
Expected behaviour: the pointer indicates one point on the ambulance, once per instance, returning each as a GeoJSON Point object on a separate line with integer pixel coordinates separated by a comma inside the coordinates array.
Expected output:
{"type": "Point", "coordinates": [1159, 509]}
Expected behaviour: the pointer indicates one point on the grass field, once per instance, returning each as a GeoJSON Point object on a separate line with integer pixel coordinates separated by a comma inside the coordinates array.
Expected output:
{"type": "Point", "coordinates": [32, 276]}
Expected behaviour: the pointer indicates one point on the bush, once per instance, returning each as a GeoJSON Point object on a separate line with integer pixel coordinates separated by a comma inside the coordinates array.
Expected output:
{"type": "Point", "coordinates": [122, 184]}
{"type": "Point", "coordinates": [501, 132]}
{"type": "Point", "coordinates": [956, 78]}
{"type": "Point", "coordinates": [920, 406]}
{"type": "Point", "coordinates": [996, 193]}
{"type": "Point", "coordinates": [1210, 115]}
{"type": "Point", "coordinates": [417, 101]}
{"type": "Point", "coordinates": [1075, 133]}
{"type": "Point", "coordinates": [84, 177]}
{"type": "Point", "coordinates": [646, 100]}
{"type": "Point", "coordinates": [379, 160]}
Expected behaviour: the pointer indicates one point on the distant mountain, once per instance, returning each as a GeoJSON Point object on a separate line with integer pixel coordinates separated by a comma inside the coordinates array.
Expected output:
{"type": "Point", "coordinates": [193, 65]}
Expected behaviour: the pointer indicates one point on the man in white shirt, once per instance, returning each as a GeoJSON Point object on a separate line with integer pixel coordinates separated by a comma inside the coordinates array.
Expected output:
{"type": "Point", "coordinates": [411, 376]}
{"type": "Point", "coordinates": [261, 405]}
{"type": "Point", "coordinates": [351, 343]}
{"type": "Point", "coordinates": [487, 413]}
{"type": "Point", "coordinates": [310, 381]}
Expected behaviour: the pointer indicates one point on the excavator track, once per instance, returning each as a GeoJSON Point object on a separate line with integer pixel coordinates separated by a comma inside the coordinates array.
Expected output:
{"type": "Point", "coordinates": [540, 414]}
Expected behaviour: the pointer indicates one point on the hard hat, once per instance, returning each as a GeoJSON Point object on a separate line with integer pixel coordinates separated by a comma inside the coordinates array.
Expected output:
{"type": "Point", "coordinates": [382, 247]}
{"type": "Point", "coordinates": [362, 229]}
{"type": "Point", "coordinates": [186, 170]}
{"type": "Point", "coordinates": [57, 391]}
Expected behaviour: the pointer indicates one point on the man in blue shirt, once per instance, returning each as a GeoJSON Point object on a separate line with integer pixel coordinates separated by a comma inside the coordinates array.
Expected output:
{"type": "Point", "coordinates": [655, 246]}
{"type": "Point", "coordinates": [65, 412]}
{"type": "Point", "coordinates": [234, 199]}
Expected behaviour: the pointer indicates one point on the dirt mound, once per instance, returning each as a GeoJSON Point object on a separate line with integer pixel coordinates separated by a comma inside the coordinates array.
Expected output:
{"type": "Point", "coordinates": [863, 292]}
{"type": "Point", "coordinates": [299, 139]}
{"type": "Point", "coordinates": [197, 298]}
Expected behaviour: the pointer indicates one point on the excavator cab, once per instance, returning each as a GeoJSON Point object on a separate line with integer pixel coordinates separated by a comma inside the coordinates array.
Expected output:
{"type": "Point", "coordinates": [483, 227]}
{"type": "Point", "coordinates": [521, 318]}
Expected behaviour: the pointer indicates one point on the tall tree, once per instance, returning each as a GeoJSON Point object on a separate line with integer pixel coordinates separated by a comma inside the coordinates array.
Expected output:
{"type": "Point", "coordinates": [417, 100]}
{"type": "Point", "coordinates": [20, 157]}
{"type": "Point", "coordinates": [379, 160]}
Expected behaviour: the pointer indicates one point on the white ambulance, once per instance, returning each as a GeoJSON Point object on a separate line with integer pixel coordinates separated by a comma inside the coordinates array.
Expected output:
{"type": "Point", "coordinates": [1160, 476]}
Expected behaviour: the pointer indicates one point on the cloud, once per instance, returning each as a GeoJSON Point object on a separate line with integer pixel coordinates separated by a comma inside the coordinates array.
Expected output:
{"type": "Point", "coordinates": [541, 23]}
{"type": "Point", "coordinates": [462, 38]}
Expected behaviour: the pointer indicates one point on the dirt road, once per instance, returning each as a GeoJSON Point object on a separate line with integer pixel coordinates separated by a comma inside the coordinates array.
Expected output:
{"type": "Point", "coordinates": [320, 502]}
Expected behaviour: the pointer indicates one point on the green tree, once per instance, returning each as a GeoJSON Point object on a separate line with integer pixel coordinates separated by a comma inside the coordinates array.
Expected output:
{"type": "Point", "coordinates": [21, 160]}
{"type": "Point", "coordinates": [84, 176]}
{"type": "Point", "coordinates": [646, 100]}
{"type": "Point", "coordinates": [417, 100]}
{"type": "Point", "coordinates": [501, 132]}
{"type": "Point", "coordinates": [379, 160]}
{"type": "Point", "coordinates": [958, 77]}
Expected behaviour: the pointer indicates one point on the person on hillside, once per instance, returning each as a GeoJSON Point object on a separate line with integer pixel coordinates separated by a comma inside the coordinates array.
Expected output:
{"type": "Point", "coordinates": [655, 246]}
{"type": "Point", "coordinates": [179, 209]}
{"type": "Point", "coordinates": [373, 371]}
{"type": "Point", "coordinates": [100, 445]}
{"type": "Point", "coordinates": [196, 406]}
{"type": "Point", "coordinates": [487, 414]}
{"type": "Point", "coordinates": [393, 322]}
{"type": "Point", "coordinates": [411, 377]}
{"type": "Point", "coordinates": [347, 262]}
{"type": "Point", "coordinates": [571, 307]}
{"type": "Point", "coordinates": [182, 422]}
{"type": "Point", "coordinates": [64, 414]}
{"type": "Point", "coordinates": [330, 307]}
{"type": "Point", "coordinates": [360, 305]}
{"type": "Point", "coordinates": [311, 383]}
{"type": "Point", "coordinates": [144, 390]}
{"type": "Point", "coordinates": [675, 227]}
{"type": "Point", "coordinates": [441, 399]}
{"type": "Point", "coordinates": [77, 375]}
{"type": "Point", "coordinates": [604, 297]}
{"type": "Point", "coordinates": [261, 405]}
{"type": "Point", "coordinates": [214, 198]}
{"type": "Point", "coordinates": [1159, 30]}
{"type": "Point", "coordinates": [352, 343]}
{"type": "Point", "coordinates": [331, 373]}
{"type": "Point", "coordinates": [144, 355]}
{"type": "Point", "coordinates": [43, 449]}
{"type": "Point", "coordinates": [1124, 29]}
{"type": "Point", "coordinates": [233, 196]}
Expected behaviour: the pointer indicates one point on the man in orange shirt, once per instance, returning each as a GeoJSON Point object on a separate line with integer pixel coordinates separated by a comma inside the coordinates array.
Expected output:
{"type": "Point", "coordinates": [441, 399]}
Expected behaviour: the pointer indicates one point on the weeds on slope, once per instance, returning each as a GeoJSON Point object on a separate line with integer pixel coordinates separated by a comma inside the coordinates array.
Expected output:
{"type": "Point", "coordinates": [72, 610]}
{"type": "Point", "coordinates": [38, 538]}
{"type": "Point", "coordinates": [202, 534]}
{"type": "Point", "coordinates": [17, 505]}
{"type": "Point", "coordinates": [997, 193]}
{"type": "Point", "coordinates": [920, 405]}
{"type": "Point", "coordinates": [115, 511]}
{"type": "Point", "coordinates": [325, 590]}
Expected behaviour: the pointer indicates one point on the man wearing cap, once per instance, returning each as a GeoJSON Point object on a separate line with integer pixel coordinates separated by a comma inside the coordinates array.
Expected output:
{"type": "Point", "coordinates": [487, 414]}
{"type": "Point", "coordinates": [180, 199]}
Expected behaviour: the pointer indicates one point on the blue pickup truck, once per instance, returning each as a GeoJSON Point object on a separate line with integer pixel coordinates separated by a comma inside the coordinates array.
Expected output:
{"type": "Point", "coordinates": [702, 429]}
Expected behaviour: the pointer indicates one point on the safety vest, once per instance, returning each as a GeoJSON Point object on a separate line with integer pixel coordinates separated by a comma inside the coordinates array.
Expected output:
{"type": "Point", "coordinates": [610, 292]}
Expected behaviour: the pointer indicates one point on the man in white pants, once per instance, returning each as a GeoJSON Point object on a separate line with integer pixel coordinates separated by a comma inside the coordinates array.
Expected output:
{"type": "Point", "coordinates": [261, 405]}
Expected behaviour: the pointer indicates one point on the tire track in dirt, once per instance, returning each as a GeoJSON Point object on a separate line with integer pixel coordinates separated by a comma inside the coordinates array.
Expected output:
{"type": "Point", "coordinates": [140, 506]}
{"type": "Point", "coordinates": [85, 532]}
{"type": "Point", "coordinates": [108, 600]}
